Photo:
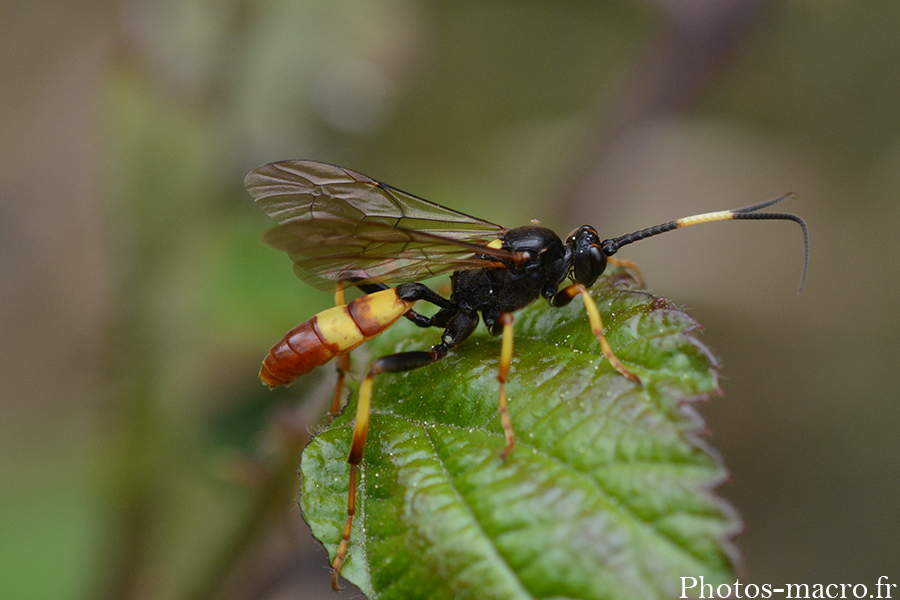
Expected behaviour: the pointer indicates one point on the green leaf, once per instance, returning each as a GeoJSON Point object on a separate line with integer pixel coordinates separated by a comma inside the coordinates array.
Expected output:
{"type": "Point", "coordinates": [607, 493]}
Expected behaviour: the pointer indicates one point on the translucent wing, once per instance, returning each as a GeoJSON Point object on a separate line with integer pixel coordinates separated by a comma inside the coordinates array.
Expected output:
{"type": "Point", "coordinates": [338, 225]}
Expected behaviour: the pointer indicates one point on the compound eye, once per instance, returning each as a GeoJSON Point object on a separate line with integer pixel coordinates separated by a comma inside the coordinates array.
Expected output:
{"type": "Point", "coordinates": [589, 264]}
{"type": "Point", "coordinates": [598, 264]}
{"type": "Point", "coordinates": [598, 261]}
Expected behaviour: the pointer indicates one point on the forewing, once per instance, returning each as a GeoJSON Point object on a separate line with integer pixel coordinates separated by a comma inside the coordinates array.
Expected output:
{"type": "Point", "coordinates": [339, 225]}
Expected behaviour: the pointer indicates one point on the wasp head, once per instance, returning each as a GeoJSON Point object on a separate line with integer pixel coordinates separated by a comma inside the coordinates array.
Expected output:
{"type": "Point", "coordinates": [588, 258]}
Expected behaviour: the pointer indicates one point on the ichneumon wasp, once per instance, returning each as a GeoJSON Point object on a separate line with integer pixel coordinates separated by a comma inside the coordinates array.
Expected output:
{"type": "Point", "coordinates": [344, 229]}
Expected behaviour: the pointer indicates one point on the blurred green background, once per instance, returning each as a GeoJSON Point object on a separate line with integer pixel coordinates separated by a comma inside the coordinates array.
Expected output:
{"type": "Point", "coordinates": [136, 300]}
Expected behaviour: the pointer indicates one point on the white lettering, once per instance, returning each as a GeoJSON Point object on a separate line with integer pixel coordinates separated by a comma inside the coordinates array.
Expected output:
{"type": "Point", "coordinates": [685, 588]}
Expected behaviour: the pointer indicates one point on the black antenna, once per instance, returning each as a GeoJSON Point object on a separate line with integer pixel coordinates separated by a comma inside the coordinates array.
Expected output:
{"type": "Point", "coordinates": [612, 246]}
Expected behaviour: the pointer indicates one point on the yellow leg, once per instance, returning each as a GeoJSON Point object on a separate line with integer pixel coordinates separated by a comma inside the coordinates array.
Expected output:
{"type": "Point", "coordinates": [625, 264]}
{"type": "Point", "coordinates": [342, 366]}
{"type": "Point", "coordinates": [597, 328]}
{"type": "Point", "coordinates": [629, 266]}
{"type": "Point", "coordinates": [348, 526]}
{"type": "Point", "coordinates": [506, 354]}
{"type": "Point", "coordinates": [356, 453]}
{"type": "Point", "coordinates": [394, 363]}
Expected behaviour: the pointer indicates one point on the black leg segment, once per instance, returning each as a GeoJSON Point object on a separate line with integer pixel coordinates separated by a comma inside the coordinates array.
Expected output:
{"type": "Point", "coordinates": [404, 361]}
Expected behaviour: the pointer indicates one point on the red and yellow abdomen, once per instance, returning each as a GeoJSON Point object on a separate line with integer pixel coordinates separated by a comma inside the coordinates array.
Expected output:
{"type": "Point", "coordinates": [330, 333]}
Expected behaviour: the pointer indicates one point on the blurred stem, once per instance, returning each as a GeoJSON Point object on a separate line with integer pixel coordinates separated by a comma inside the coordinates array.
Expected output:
{"type": "Point", "coordinates": [272, 496]}
{"type": "Point", "coordinates": [137, 488]}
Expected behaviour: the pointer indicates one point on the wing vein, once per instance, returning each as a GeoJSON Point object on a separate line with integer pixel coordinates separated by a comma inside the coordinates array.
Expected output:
{"type": "Point", "coordinates": [338, 225]}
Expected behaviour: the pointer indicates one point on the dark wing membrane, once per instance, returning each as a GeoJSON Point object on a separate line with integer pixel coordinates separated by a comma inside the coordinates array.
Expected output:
{"type": "Point", "coordinates": [327, 252]}
{"type": "Point", "coordinates": [338, 225]}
